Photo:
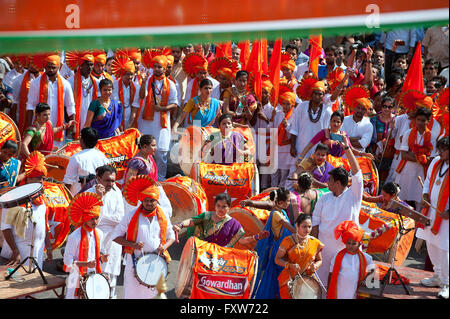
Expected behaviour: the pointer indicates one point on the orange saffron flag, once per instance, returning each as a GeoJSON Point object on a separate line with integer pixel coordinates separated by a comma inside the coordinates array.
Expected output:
{"type": "Point", "coordinates": [245, 53]}
{"type": "Point", "coordinates": [315, 53]}
{"type": "Point", "coordinates": [274, 70]}
{"type": "Point", "coordinates": [414, 77]}
{"type": "Point", "coordinates": [223, 50]}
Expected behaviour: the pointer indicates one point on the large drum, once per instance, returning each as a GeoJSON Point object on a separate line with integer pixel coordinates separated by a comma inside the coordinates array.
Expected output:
{"type": "Point", "coordinates": [149, 269]}
{"type": "Point", "coordinates": [8, 130]}
{"type": "Point", "coordinates": [305, 287]}
{"type": "Point", "coordinates": [209, 271]}
{"type": "Point", "coordinates": [94, 286]}
{"type": "Point", "coordinates": [239, 180]}
{"type": "Point", "coordinates": [186, 196]}
{"type": "Point", "coordinates": [381, 229]}
{"type": "Point", "coordinates": [57, 165]}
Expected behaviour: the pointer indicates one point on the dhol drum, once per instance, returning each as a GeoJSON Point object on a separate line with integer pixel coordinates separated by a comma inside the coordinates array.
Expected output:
{"type": "Point", "coordinates": [9, 130]}
{"type": "Point", "coordinates": [21, 195]}
{"type": "Point", "coordinates": [185, 276]}
{"type": "Point", "coordinates": [56, 166]}
{"type": "Point", "coordinates": [305, 287]}
{"type": "Point", "coordinates": [94, 286]}
{"type": "Point", "coordinates": [149, 269]}
{"type": "Point", "coordinates": [186, 196]}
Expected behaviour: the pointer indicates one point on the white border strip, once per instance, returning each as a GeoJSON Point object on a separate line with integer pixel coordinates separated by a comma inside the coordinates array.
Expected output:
{"type": "Point", "coordinates": [391, 18]}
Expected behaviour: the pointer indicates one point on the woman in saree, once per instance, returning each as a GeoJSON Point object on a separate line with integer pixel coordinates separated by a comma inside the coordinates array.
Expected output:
{"type": "Point", "coordinates": [201, 110]}
{"type": "Point", "coordinates": [389, 192]}
{"type": "Point", "coordinates": [218, 227]}
{"type": "Point", "coordinates": [278, 226]}
{"type": "Point", "coordinates": [105, 114]}
{"type": "Point", "coordinates": [298, 253]}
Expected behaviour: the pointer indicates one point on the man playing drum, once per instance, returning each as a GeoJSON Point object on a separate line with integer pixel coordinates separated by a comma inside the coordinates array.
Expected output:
{"type": "Point", "coordinates": [144, 230]}
{"type": "Point", "coordinates": [218, 227]}
{"type": "Point", "coordinates": [18, 235]}
{"type": "Point", "coordinates": [83, 253]}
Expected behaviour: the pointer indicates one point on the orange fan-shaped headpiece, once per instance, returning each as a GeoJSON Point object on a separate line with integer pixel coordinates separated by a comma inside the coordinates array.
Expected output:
{"type": "Point", "coordinates": [148, 55]}
{"type": "Point", "coordinates": [442, 100]}
{"type": "Point", "coordinates": [99, 56]}
{"type": "Point", "coordinates": [221, 66]}
{"type": "Point", "coordinates": [39, 61]}
{"type": "Point", "coordinates": [35, 165]}
{"type": "Point", "coordinates": [306, 86]}
{"type": "Point", "coordinates": [122, 64]}
{"type": "Point", "coordinates": [335, 77]}
{"type": "Point", "coordinates": [410, 100]}
{"type": "Point", "coordinates": [74, 59]}
{"type": "Point", "coordinates": [84, 207]}
{"type": "Point", "coordinates": [139, 187]}
{"type": "Point", "coordinates": [286, 61]}
{"type": "Point", "coordinates": [132, 53]}
{"type": "Point", "coordinates": [194, 62]}
{"type": "Point", "coordinates": [356, 95]}
{"type": "Point", "coordinates": [23, 59]}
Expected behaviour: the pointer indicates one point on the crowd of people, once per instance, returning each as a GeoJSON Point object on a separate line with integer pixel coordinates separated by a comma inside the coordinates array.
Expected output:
{"type": "Point", "coordinates": [364, 100]}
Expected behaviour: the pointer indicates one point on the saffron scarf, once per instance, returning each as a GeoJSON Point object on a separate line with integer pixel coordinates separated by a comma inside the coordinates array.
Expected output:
{"type": "Point", "coordinates": [78, 96]}
{"type": "Point", "coordinates": [332, 285]}
{"type": "Point", "coordinates": [149, 111]}
{"type": "Point", "coordinates": [122, 99]}
{"type": "Point", "coordinates": [83, 253]}
{"type": "Point", "coordinates": [43, 97]}
{"type": "Point", "coordinates": [421, 151]}
{"type": "Point", "coordinates": [24, 88]}
{"type": "Point", "coordinates": [195, 87]}
{"type": "Point", "coordinates": [442, 197]}
{"type": "Point", "coordinates": [133, 228]}
{"type": "Point", "coordinates": [282, 135]}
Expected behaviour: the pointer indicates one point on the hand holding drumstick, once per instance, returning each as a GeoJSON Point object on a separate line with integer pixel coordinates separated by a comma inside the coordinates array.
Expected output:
{"type": "Point", "coordinates": [425, 202]}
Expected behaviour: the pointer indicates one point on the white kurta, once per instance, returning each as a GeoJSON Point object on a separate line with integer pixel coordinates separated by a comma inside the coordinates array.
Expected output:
{"type": "Point", "coordinates": [329, 212]}
{"type": "Point", "coordinates": [23, 245]}
{"type": "Point", "coordinates": [148, 233]}
{"type": "Point", "coordinates": [362, 129]}
{"type": "Point", "coordinates": [111, 214]}
{"type": "Point", "coordinates": [402, 123]}
{"type": "Point", "coordinates": [411, 190]}
{"type": "Point", "coordinates": [126, 97]}
{"type": "Point", "coordinates": [82, 164]}
{"type": "Point", "coordinates": [215, 92]}
{"type": "Point", "coordinates": [86, 95]}
{"type": "Point", "coordinates": [441, 238]}
{"type": "Point", "coordinates": [52, 99]}
{"type": "Point", "coordinates": [71, 255]}
{"type": "Point", "coordinates": [16, 87]}
{"type": "Point", "coordinates": [162, 135]}
{"type": "Point", "coordinates": [347, 282]}
{"type": "Point", "coordinates": [285, 160]}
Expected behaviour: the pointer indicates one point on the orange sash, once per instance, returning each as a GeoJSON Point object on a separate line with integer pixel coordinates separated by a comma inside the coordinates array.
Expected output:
{"type": "Point", "coordinates": [78, 96]}
{"type": "Point", "coordinates": [84, 250]}
{"type": "Point", "coordinates": [122, 99]}
{"type": "Point", "coordinates": [332, 285]}
{"type": "Point", "coordinates": [282, 135]}
{"type": "Point", "coordinates": [421, 151]}
{"type": "Point", "coordinates": [195, 88]}
{"type": "Point", "coordinates": [24, 88]}
{"type": "Point", "coordinates": [133, 228]}
{"type": "Point", "coordinates": [43, 97]}
{"type": "Point", "coordinates": [442, 197]}
{"type": "Point", "coordinates": [149, 111]}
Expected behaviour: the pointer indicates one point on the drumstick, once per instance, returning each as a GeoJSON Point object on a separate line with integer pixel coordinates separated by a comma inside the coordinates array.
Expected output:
{"type": "Point", "coordinates": [437, 210]}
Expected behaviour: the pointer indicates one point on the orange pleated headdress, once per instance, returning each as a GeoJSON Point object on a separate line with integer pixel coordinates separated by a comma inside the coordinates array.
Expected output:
{"type": "Point", "coordinates": [99, 56]}
{"type": "Point", "coordinates": [306, 86]}
{"type": "Point", "coordinates": [54, 59]}
{"type": "Point", "coordinates": [83, 208]}
{"type": "Point", "coordinates": [348, 230]}
{"type": "Point", "coordinates": [121, 65]}
{"type": "Point", "coordinates": [194, 62]}
{"type": "Point", "coordinates": [74, 59]}
{"type": "Point", "coordinates": [335, 77]}
{"type": "Point", "coordinates": [138, 188]}
{"type": "Point", "coordinates": [148, 55]}
{"type": "Point", "coordinates": [23, 59]}
{"type": "Point", "coordinates": [410, 100]}
{"type": "Point", "coordinates": [35, 165]}
{"type": "Point", "coordinates": [286, 61]}
{"type": "Point", "coordinates": [221, 66]}
{"type": "Point", "coordinates": [356, 95]}
{"type": "Point", "coordinates": [38, 61]}
{"type": "Point", "coordinates": [132, 53]}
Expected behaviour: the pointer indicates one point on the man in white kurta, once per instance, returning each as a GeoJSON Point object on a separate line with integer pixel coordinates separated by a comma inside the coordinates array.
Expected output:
{"type": "Point", "coordinates": [128, 102]}
{"type": "Point", "coordinates": [162, 135]}
{"type": "Point", "coordinates": [359, 129]}
{"type": "Point", "coordinates": [340, 204]}
{"type": "Point", "coordinates": [85, 162]}
{"type": "Point", "coordinates": [437, 242]}
{"type": "Point", "coordinates": [111, 213]}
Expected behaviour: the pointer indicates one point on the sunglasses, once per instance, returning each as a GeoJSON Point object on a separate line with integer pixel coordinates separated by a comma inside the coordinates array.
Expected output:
{"type": "Point", "coordinates": [388, 106]}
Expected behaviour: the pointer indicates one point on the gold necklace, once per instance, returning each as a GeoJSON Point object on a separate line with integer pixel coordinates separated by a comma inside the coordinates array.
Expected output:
{"type": "Point", "coordinates": [106, 106]}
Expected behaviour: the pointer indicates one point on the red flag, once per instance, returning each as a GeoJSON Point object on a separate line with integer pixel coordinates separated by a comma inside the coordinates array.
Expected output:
{"type": "Point", "coordinates": [315, 42]}
{"type": "Point", "coordinates": [223, 49]}
{"type": "Point", "coordinates": [245, 53]}
{"type": "Point", "coordinates": [255, 65]}
{"type": "Point", "coordinates": [414, 77]}
{"type": "Point", "coordinates": [274, 69]}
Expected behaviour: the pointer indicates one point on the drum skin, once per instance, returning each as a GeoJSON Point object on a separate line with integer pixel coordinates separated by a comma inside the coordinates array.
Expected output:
{"type": "Point", "coordinates": [149, 269]}
{"type": "Point", "coordinates": [301, 285]}
{"type": "Point", "coordinates": [185, 276]}
{"type": "Point", "coordinates": [95, 286]}
{"type": "Point", "coordinates": [251, 224]}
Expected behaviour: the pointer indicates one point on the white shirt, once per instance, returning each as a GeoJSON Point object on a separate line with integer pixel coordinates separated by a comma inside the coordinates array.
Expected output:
{"type": "Point", "coordinates": [52, 100]}
{"type": "Point", "coordinates": [162, 135]}
{"type": "Point", "coordinates": [215, 92]}
{"type": "Point", "coordinates": [285, 160]}
{"type": "Point", "coordinates": [11, 76]}
{"type": "Point", "coordinates": [362, 129]}
{"type": "Point", "coordinates": [16, 87]}
{"type": "Point", "coordinates": [39, 213]}
{"type": "Point", "coordinates": [302, 126]}
{"type": "Point", "coordinates": [126, 98]}
{"type": "Point", "coordinates": [86, 95]}
{"type": "Point", "coordinates": [347, 281]}
{"type": "Point", "coordinates": [82, 164]}
{"type": "Point", "coordinates": [300, 70]}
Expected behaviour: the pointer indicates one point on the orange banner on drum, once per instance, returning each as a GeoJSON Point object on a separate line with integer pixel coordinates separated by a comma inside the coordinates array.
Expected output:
{"type": "Point", "coordinates": [221, 272]}
{"type": "Point", "coordinates": [119, 149]}
{"type": "Point", "coordinates": [57, 198]}
{"type": "Point", "coordinates": [235, 179]}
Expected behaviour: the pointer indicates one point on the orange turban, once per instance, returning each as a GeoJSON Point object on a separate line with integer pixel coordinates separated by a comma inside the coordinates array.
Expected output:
{"type": "Point", "coordinates": [161, 60]}
{"type": "Point", "coordinates": [289, 64]}
{"type": "Point", "coordinates": [170, 59]}
{"type": "Point", "coordinates": [101, 58]}
{"type": "Point", "coordinates": [83, 208]}
{"type": "Point", "coordinates": [226, 72]}
{"type": "Point", "coordinates": [364, 102]}
{"type": "Point", "coordinates": [151, 191]}
{"type": "Point", "coordinates": [425, 102]}
{"type": "Point", "coordinates": [318, 86]}
{"type": "Point", "coordinates": [348, 230]}
{"type": "Point", "coordinates": [121, 65]}
{"type": "Point", "coordinates": [138, 188]}
{"type": "Point", "coordinates": [35, 165]}
{"type": "Point", "coordinates": [267, 85]}
{"type": "Point", "coordinates": [135, 54]}
{"type": "Point", "coordinates": [288, 96]}
{"type": "Point", "coordinates": [53, 59]}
